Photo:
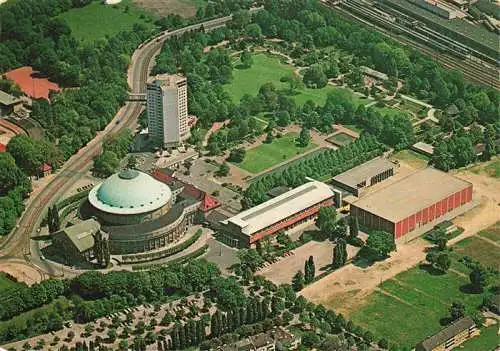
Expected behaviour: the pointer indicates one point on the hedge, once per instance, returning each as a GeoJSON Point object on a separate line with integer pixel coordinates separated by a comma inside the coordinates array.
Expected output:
{"type": "Point", "coordinates": [181, 260]}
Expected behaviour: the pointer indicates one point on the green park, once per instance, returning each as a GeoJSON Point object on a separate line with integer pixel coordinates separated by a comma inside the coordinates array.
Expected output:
{"type": "Point", "coordinates": [97, 20]}
{"type": "Point", "coordinates": [427, 295]}
{"type": "Point", "coordinates": [266, 155]}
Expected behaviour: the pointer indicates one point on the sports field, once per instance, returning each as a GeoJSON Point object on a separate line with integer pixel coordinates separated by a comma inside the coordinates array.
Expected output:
{"type": "Point", "coordinates": [96, 20]}
{"type": "Point", "coordinates": [267, 69]}
{"type": "Point", "coordinates": [265, 156]}
{"type": "Point", "coordinates": [417, 293]}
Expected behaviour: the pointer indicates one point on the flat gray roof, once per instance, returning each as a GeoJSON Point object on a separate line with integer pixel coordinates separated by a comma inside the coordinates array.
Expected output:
{"type": "Point", "coordinates": [356, 175]}
{"type": "Point", "coordinates": [411, 194]}
{"type": "Point", "coordinates": [281, 207]}
{"type": "Point", "coordinates": [7, 99]}
{"type": "Point", "coordinates": [424, 147]}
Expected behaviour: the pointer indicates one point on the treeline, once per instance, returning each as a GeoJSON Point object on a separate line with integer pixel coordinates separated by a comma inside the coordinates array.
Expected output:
{"type": "Point", "coordinates": [327, 163]}
{"type": "Point", "coordinates": [114, 149]}
{"type": "Point", "coordinates": [94, 294]}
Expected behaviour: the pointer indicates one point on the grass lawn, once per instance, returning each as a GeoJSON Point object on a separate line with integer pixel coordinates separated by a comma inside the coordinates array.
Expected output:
{"type": "Point", "coordinates": [480, 250]}
{"type": "Point", "coordinates": [492, 233]}
{"type": "Point", "coordinates": [493, 169]}
{"type": "Point", "coordinates": [412, 158]}
{"type": "Point", "coordinates": [264, 156]}
{"type": "Point", "coordinates": [269, 69]}
{"type": "Point", "coordinates": [96, 20]}
{"type": "Point", "coordinates": [417, 293]}
{"type": "Point", "coordinates": [341, 139]}
{"type": "Point", "coordinates": [487, 340]}
{"type": "Point", "coordinates": [6, 283]}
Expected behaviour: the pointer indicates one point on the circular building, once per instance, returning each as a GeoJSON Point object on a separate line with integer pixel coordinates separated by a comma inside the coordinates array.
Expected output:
{"type": "Point", "coordinates": [130, 197]}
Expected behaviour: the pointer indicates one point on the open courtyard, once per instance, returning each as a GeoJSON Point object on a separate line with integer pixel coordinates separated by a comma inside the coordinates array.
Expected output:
{"type": "Point", "coordinates": [265, 155]}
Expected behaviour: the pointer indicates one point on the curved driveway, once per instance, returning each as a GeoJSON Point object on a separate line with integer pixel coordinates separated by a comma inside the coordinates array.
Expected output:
{"type": "Point", "coordinates": [18, 243]}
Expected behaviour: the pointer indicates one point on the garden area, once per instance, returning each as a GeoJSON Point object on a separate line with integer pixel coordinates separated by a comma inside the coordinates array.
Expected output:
{"type": "Point", "coordinates": [418, 293]}
{"type": "Point", "coordinates": [267, 69]}
{"type": "Point", "coordinates": [340, 139]}
{"type": "Point", "coordinates": [412, 158]}
{"type": "Point", "coordinates": [97, 20]}
{"type": "Point", "coordinates": [265, 155]}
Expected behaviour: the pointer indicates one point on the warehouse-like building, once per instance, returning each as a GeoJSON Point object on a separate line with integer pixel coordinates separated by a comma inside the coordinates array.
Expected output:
{"type": "Point", "coordinates": [414, 204]}
{"type": "Point", "coordinates": [280, 213]}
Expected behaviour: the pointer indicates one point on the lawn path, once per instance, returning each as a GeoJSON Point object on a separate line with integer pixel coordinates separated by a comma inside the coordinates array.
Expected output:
{"type": "Point", "coordinates": [488, 240]}
{"type": "Point", "coordinates": [394, 297]}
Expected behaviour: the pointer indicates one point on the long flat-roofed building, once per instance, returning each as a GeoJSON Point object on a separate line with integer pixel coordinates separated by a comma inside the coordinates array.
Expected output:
{"type": "Point", "coordinates": [365, 175]}
{"type": "Point", "coordinates": [414, 204]}
{"type": "Point", "coordinates": [280, 213]}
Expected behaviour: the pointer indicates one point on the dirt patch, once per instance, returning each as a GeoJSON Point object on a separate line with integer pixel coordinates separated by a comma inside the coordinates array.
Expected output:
{"type": "Point", "coordinates": [22, 272]}
{"type": "Point", "coordinates": [184, 8]}
{"type": "Point", "coordinates": [347, 288]}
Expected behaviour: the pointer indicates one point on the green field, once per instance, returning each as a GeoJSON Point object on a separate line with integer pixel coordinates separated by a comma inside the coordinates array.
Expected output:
{"type": "Point", "coordinates": [341, 139]}
{"type": "Point", "coordinates": [480, 250]}
{"type": "Point", "coordinates": [96, 20]}
{"type": "Point", "coordinates": [267, 69]}
{"type": "Point", "coordinates": [265, 156]}
{"type": "Point", "coordinates": [417, 293]}
{"type": "Point", "coordinates": [6, 283]}
{"type": "Point", "coordinates": [493, 169]}
{"type": "Point", "coordinates": [412, 158]}
{"type": "Point", "coordinates": [488, 340]}
{"type": "Point", "coordinates": [492, 233]}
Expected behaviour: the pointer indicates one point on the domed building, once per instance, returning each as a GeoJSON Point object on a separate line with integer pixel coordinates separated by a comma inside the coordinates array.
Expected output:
{"type": "Point", "coordinates": [130, 197]}
{"type": "Point", "coordinates": [138, 213]}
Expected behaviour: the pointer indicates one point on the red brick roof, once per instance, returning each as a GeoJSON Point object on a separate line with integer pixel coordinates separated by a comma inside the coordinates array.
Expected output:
{"type": "Point", "coordinates": [32, 83]}
{"type": "Point", "coordinates": [3, 147]}
{"type": "Point", "coordinates": [45, 168]}
{"type": "Point", "coordinates": [209, 203]}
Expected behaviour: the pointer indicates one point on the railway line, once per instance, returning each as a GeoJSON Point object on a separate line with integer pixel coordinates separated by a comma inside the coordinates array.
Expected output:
{"type": "Point", "coordinates": [401, 28]}
{"type": "Point", "coordinates": [18, 244]}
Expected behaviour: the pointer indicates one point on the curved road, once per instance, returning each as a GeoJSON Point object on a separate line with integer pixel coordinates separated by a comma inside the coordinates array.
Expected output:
{"type": "Point", "coordinates": [18, 243]}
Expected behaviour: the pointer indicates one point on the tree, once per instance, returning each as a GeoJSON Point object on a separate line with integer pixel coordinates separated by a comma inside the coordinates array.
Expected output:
{"type": "Point", "coordinates": [253, 30]}
{"type": "Point", "coordinates": [223, 170]}
{"type": "Point", "coordinates": [304, 137]}
{"type": "Point", "coordinates": [340, 230]}
{"type": "Point", "coordinates": [379, 245]}
{"type": "Point", "coordinates": [490, 148]}
{"type": "Point", "coordinates": [457, 310]}
{"type": "Point", "coordinates": [479, 278]}
{"type": "Point", "coordinates": [315, 77]}
{"type": "Point", "coordinates": [298, 281]}
{"type": "Point", "coordinates": [353, 226]}
{"type": "Point", "coordinates": [443, 262]}
{"type": "Point", "coordinates": [246, 59]}
{"type": "Point", "coordinates": [339, 254]}
{"type": "Point", "coordinates": [309, 270]}
{"type": "Point", "coordinates": [326, 219]}
{"type": "Point", "coordinates": [294, 83]}
{"type": "Point", "coordinates": [132, 162]}
{"type": "Point", "coordinates": [106, 164]}
{"type": "Point", "coordinates": [269, 137]}
{"type": "Point", "coordinates": [283, 118]}
{"type": "Point", "coordinates": [237, 155]}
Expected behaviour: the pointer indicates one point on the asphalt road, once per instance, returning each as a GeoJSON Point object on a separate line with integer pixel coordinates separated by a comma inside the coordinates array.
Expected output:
{"type": "Point", "coordinates": [18, 243]}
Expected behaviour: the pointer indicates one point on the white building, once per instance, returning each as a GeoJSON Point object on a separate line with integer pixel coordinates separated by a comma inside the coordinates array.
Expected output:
{"type": "Point", "coordinates": [167, 109]}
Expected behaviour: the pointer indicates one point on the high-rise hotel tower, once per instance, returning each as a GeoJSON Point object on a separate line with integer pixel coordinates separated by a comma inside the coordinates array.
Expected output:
{"type": "Point", "coordinates": [167, 109]}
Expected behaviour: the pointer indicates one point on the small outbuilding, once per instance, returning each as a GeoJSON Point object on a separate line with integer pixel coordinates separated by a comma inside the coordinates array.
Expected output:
{"type": "Point", "coordinates": [44, 170]}
{"type": "Point", "coordinates": [450, 337]}
{"type": "Point", "coordinates": [76, 243]}
{"type": "Point", "coordinates": [9, 104]}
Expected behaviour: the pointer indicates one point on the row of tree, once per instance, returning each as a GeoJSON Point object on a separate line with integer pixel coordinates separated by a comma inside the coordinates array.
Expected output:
{"type": "Point", "coordinates": [325, 163]}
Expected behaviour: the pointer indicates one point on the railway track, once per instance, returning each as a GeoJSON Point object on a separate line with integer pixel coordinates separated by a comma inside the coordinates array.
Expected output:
{"type": "Point", "coordinates": [17, 244]}
{"type": "Point", "coordinates": [472, 71]}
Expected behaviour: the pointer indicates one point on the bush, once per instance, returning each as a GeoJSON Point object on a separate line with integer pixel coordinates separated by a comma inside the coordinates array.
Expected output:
{"type": "Point", "coordinates": [355, 241]}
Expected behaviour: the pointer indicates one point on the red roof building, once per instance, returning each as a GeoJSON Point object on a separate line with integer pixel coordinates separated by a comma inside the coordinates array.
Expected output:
{"type": "Point", "coordinates": [32, 83]}
{"type": "Point", "coordinates": [45, 170]}
{"type": "Point", "coordinates": [209, 203]}
{"type": "Point", "coordinates": [3, 147]}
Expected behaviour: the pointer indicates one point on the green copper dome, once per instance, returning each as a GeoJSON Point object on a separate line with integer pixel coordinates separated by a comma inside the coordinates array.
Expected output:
{"type": "Point", "coordinates": [130, 192]}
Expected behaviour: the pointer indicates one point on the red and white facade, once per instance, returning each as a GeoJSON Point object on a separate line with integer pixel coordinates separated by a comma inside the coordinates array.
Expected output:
{"type": "Point", "coordinates": [280, 213]}
{"type": "Point", "coordinates": [423, 199]}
